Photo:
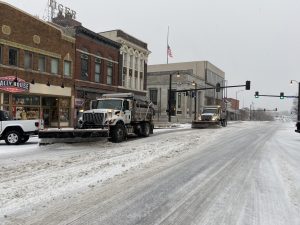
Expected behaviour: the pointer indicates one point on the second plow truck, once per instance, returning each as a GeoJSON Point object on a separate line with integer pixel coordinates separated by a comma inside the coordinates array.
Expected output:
{"type": "Point", "coordinates": [113, 115]}
{"type": "Point", "coordinates": [211, 116]}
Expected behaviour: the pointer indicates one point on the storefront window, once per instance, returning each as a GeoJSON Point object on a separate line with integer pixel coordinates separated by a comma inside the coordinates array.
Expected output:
{"type": "Point", "coordinates": [25, 100]}
{"type": "Point", "coordinates": [25, 107]}
{"type": "Point", "coordinates": [26, 113]}
{"type": "Point", "coordinates": [64, 111]}
{"type": "Point", "coordinates": [5, 99]}
{"type": "Point", "coordinates": [48, 101]}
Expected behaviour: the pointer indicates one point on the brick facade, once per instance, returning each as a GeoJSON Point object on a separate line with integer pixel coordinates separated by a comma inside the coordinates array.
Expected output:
{"type": "Point", "coordinates": [21, 31]}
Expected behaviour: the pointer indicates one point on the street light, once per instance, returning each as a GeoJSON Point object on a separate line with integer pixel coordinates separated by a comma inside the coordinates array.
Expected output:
{"type": "Point", "coordinates": [195, 105]}
{"type": "Point", "coordinates": [298, 117]}
{"type": "Point", "coordinates": [236, 103]}
{"type": "Point", "coordinates": [170, 91]}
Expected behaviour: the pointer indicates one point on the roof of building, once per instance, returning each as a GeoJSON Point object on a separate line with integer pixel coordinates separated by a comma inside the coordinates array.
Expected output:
{"type": "Point", "coordinates": [128, 37]}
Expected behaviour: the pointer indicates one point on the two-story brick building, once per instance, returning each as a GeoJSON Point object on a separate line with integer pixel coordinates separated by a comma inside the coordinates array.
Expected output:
{"type": "Point", "coordinates": [36, 68]}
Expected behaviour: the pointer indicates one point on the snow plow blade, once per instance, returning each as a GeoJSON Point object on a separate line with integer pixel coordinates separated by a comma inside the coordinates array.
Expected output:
{"type": "Point", "coordinates": [204, 124]}
{"type": "Point", "coordinates": [71, 135]}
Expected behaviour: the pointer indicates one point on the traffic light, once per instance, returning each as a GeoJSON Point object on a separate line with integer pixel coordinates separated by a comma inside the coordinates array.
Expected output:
{"type": "Point", "coordinates": [218, 87]}
{"type": "Point", "coordinates": [248, 85]}
{"type": "Point", "coordinates": [256, 94]}
{"type": "Point", "coordinates": [281, 95]}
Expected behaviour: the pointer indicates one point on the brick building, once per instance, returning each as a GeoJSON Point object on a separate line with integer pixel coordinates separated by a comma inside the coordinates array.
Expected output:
{"type": "Point", "coordinates": [97, 65]}
{"type": "Point", "coordinates": [36, 68]}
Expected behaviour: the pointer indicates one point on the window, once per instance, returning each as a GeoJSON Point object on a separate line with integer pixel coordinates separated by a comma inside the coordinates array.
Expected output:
{"type": "Point", "coordinates": [125, 59]}
{"type": "Point", "coordinates": [28, 60]}
{"type": "Point", "coordinates": [141, 81]}
{"type": "Point", "coordinates": [131, 61]}
{"type": "Point", "coordinates": [42, 63]}
{"type": "Point", "coordinates": [130, 81]}
{"type": "Point", "coordinates": [141, 65]}
{"type": "Point", "coordinates": [153, 96]}
{"type": "Point", "coordinates": [97, 72]}
{"type": "Point", "coordinates": [179, 100]}
{"type": "Point", "coordinates": [136, 63]}
{"type": "Point", "coordinates": [67, 68]}
{"type": "Point", "coordinates": [1, 55]}
{"type": "Point", "coordinates": [13, 57]}
{"type": "Point", "coordinates": [124, 76]}
{"type": "Point", "coordinates": [54, 65]}
{"type": "Point", "coordinates": [136, 80]}
{"type": "Point", "coordinates": [84, 66]}
{"type": "Point", "coordinates": [109, 73]}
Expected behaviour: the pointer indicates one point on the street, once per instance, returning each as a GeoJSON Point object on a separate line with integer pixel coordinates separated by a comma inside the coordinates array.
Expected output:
{"type": "Point", "coordinates": [246, 173]}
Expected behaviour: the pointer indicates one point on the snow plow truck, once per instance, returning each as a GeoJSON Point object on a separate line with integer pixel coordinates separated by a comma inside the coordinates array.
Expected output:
{"type": "Point", "coordinates": [114, 116]}
{"type": "Point", "coordinates": [211, 116]}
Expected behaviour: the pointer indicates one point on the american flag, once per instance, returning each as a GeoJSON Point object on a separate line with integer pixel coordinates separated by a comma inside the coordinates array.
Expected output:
{"type": "Point", "coordinates": [169, 52]}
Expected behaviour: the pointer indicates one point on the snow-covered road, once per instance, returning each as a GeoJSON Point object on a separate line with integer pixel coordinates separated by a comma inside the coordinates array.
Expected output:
{"type": "Point", "coordinates": [247, 173]}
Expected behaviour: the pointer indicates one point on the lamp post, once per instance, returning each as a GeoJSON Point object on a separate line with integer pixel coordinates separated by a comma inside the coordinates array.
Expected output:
{"type": "Point", "coordinates": [169, 98]}
{"type": "Point", "coordinates": [195, 100]}
{"type": "Point", "coordinates": [298, 116]}
{"type": "Point", "coordinates": [236, 105]}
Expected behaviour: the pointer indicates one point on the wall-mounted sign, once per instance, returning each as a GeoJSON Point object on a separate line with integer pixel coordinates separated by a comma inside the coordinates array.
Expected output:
{"type": "Point", "coordinates": [8, 84]}
{"type": "Point", "coordinates": [79, 102]}
{"type": "Point", "coordinates": [59, 8]}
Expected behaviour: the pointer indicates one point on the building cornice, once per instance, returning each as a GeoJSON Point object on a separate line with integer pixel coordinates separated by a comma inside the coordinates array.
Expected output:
{"type": "Point", "coordinates": [29, 48]}
{"type": "Point", "coordinates": [98, 37]}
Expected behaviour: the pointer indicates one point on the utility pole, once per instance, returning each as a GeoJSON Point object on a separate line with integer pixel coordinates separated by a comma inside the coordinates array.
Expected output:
{"type": "Point", "coordinates": [169, 102]}
{"type": "Point", "coordinates": [195, 116]}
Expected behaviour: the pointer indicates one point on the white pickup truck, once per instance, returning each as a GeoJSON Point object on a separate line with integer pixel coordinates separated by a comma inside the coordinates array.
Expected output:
{"type": "Point", "coordinates": [17, 131]}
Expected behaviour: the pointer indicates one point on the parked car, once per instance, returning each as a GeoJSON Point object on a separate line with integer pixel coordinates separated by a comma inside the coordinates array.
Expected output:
{"type": "Point", "coordinates": [17, 131]}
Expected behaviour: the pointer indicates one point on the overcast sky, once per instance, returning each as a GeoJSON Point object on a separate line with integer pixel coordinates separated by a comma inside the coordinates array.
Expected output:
{"type": "Point", "coordinates": [256, 40]}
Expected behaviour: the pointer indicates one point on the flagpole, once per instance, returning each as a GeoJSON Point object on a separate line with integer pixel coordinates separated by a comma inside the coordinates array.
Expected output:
{"type": "Point", "coordinates": [168, 46]}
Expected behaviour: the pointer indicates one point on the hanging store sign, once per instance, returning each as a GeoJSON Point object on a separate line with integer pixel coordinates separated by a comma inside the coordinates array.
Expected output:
{"type": "Point", "coordinates": [9, 84]}
{"type": "Point", "coordinates": [79, 102]}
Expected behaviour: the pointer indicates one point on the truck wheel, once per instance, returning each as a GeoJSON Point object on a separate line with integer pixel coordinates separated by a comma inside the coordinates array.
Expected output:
{"type": "Point", "coordinates": [117, 133]}
{"type": "Point", "coordinates": [24, 139]}
{"type": "Point", "coordinates": [12, 137]}
{"type": "Point", "coordinates": [145, 129]}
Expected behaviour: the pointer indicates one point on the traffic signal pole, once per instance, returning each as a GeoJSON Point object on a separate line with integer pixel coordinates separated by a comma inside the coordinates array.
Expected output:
{"type": "Point", "coordinates": [298, 118]}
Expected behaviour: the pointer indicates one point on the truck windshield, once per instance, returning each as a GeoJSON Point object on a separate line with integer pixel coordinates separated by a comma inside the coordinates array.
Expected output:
{"type": "Point", "coordinates": [109, 104]}
{"type": "Point", "coordinates": [210, 111]}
